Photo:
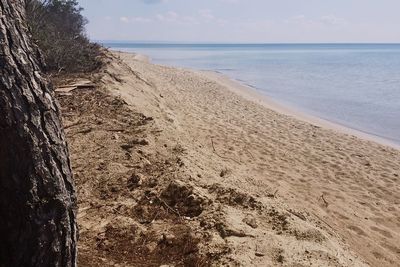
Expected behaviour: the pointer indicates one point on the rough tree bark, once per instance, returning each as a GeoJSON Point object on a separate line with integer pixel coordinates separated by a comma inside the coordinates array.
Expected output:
{"type": "Point", "coordinates": [37, 195]}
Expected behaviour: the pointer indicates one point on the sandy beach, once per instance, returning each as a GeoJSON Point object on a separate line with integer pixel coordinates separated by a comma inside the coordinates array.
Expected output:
{"type": "Point", "coordinates": [254, 95]}
{"type": "Point", "coordinates": [282, 189]}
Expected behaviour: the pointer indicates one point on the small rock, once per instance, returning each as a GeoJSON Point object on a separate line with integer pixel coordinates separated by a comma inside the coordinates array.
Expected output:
{"type": "Point", "coordinates": [225, 232]}
{"type": "Point", "coordinates": [126, 147]}
{"type": "Point", "coordinates": [151, 246]}
{"type": "Point", "coordinates": [259, 254]}
{"type": "Point", "coordinates": [114, 189]}
{"type": "Point", "coordinates": [261, 250]}
{"type": "Point", "coordinates": [170, 239]}
{"type": "Point", "coordinates": [250, 222]}
{"type": "Point", "coordinates": [167, 239]}
{"type": "Point", "coordinates": [280, 258]}
{"type": "Point", "coordinates": [135, 181]}
{"type": "Point", "coordinates": [142, 142]}
{"type": "Point", "coordinates": [153, 182]}
{"type": "Point", "coordinates": [180, 162]}
{"type": "Point", "coordinates": [102, 166]}
{"type": "Point", "coordinates": [224, 173]}
{"type": "Point", "coordinates": [148, 118]}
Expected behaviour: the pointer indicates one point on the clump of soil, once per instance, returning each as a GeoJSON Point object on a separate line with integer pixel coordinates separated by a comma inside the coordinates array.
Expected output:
{"type": "Point", "coordinates": [233, 197]}
{"type": "Point", "coordinates": [150, 248]}
{"type": "Point", "coordinates": [180, 196]}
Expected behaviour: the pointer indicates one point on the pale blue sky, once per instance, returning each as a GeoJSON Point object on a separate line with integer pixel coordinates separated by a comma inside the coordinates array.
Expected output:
{"type": "Point", "coordinates": [245, 21]}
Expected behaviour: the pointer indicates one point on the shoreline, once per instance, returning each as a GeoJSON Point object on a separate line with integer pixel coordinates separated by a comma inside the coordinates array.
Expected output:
{"type": "Point", "coordinates": [253, 94]}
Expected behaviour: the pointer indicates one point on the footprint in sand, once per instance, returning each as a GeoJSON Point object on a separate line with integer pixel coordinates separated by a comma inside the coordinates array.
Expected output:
{"type": "Point", "coordinates": [382, 232]}
{"type": "Point", "coordinates": [358, 230]}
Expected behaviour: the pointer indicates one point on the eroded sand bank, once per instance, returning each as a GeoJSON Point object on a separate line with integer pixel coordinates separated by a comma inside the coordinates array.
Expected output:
{"type": "Point", "coordinates": [339, 192]}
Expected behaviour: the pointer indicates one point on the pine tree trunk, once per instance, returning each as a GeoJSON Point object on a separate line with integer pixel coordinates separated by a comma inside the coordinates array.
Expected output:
{"type": "Point", "coordinates": [37, 195]}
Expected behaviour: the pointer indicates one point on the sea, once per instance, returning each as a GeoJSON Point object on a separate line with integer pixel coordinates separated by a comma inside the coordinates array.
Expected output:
{"type": "Point", "coordinates": [354, 85]}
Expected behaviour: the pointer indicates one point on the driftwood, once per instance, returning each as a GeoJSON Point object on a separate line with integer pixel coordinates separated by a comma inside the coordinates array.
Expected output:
{"type": "Point", "coordinates": [80, 84]}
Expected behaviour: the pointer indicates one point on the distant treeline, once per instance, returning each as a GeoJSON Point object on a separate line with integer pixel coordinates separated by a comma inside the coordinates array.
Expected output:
{"type": "Point", "coordinates": [58, 28]}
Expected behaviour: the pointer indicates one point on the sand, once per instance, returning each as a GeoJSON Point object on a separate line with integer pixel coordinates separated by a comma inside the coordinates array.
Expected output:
{"type": "Point", "coordinates": [275, 187]}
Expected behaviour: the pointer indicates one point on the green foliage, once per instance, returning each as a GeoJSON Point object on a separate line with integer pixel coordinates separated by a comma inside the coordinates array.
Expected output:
{"type": "Point", "coordinates": [58, 28]}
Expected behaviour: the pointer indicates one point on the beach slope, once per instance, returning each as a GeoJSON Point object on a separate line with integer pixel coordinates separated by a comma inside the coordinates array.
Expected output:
{"type": "Point", "coordinates": [273, 189]}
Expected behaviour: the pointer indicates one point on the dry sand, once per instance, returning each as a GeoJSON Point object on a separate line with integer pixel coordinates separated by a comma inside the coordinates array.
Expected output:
{"type": "Point", "coordinates": [274, 190]}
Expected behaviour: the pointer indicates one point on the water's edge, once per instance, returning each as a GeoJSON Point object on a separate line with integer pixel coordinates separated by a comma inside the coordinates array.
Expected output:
{"type": "Point", "coordinates": [262, 92]}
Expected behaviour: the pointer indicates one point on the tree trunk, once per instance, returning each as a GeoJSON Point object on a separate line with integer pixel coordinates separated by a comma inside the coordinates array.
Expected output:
{"type": "Point", "coordinates": [37, 195]}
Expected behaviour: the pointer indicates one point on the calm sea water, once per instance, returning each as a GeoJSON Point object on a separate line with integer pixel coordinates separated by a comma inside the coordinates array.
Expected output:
{"type": "Point", "coordinates": [356, 85]}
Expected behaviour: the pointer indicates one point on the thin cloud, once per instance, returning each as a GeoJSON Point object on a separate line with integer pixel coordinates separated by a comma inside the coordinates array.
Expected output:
{"type": "Point", "coordinates": [169, 16]}
{"type": "Point", "coordinates": [333, 20]}
{"type": "Point", "coordinates": [323, 21]}
{"type": "Point", "coordinates": [135, 20]}
{"type": "Point", "coordinates": [206, 14]}
{"type": "Point", "coordinates": [124, 19]}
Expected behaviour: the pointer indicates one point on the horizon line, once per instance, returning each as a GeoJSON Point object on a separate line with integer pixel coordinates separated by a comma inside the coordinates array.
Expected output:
{"type": "Point", "coordinates": [244, 43]}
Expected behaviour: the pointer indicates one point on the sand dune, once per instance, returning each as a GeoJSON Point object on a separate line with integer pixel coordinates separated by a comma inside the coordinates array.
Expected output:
{"type": "Point", "coordinates": [284, 191]}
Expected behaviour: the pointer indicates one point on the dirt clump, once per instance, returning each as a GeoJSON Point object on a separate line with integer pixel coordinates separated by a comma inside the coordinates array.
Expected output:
{"type": "Point", "coordinates": [233, 197]}
{"type": "Point", "coordinates": [181, 197]}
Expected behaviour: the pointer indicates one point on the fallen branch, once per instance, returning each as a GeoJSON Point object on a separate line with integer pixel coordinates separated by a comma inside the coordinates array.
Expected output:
{"type": "Point", "coordinates": [85, 131]}
{"type": "Point", "coordinates": [298, 214]}
{"type": "Point", "coordinates": [155, 217]}
{"type": "Point", "coordinates": [169, 207]}
{"type": "Point", "coordinates": [116, 130]}
{"type": "Point", "coordinates": [327, 224]}
{"type": "Point", "coordinates": [225, 232]}
{"type": "Point", "coordinates": [248, 151]}
{"type": "Point", "coordinates": [222, 157]}
{"type": "Point", "coordinates": [72, 124]}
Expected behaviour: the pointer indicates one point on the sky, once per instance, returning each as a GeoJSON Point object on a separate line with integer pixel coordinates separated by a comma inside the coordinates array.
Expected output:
{"type": "Point", "coordinates": [244, 21]}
